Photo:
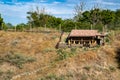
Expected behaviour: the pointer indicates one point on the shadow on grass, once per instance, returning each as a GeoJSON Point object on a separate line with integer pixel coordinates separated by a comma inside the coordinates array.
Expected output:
{"type": "Point", "coordinates": [118, 57]}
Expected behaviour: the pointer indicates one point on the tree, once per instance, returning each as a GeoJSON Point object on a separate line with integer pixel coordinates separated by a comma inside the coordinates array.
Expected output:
{"type": "Point", "coordinates": [78, 10]}
{"type": "Point", "coordinates": [54, 22]}
{"type": "Point", "coordinates": [117, 19]}
{"type": "Point", "coordinates": [108, 17]}
{"type": "Point", "coordinates": [1, 22]}
{"type": "Point", "coordinates": [95, 16]}
{"type": "Point", "coordinates": [68, 25]}
{"type": "Point", "coordinates": [9, 25]}
{"type": "Point", "coordinates": [21, 26]}
{"type": "Point", "coordinates": [86, 16]}
{"type": "Point", "coordinates": [4, 26]}
{"type": "Point", "coordinates": [38, 17]}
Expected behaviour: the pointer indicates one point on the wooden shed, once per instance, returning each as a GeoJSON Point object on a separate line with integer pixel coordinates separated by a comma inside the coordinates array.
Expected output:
{"type": "Point", "coordinates": [88, 38]}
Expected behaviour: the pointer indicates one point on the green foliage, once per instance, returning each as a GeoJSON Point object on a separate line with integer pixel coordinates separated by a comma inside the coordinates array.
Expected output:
{"type": "Point", "coordinates": [96, 17]}
{"type": "Point", "coordinates": [4, 27]}
{"type": "Point", "coordinates": [54, 22]}
{"type": "Point", "coordinates": [86, 16]}
{"type": "Point", "coordinates": [21, 26]}
{"type": "Point", "coordinates": [9, 25]}
{"type": "Point", "coordinates": [68, 25]}
{"type": "Point", "coordinates": [112, 68]}
{"type": "Point", "coordinates": [84, 77]}
{"type": "Point", "coordinates": [87, 68]}
{"type": "Point", "coordinates": [16, 59]}
{"type": "Point", "coordinates": [39, 18]}
{"type": "Point", "coordinates": [117, 19]}
{"type": "Point", "coordinates": [1, 72]}
{"type": "Point", "coordinates": [7, 75]}
{"type": "Point", "coordinates": [99, 18]}
{"type": "Point", "coordinates": [73, 50]}
{"type": "Point", "coordinates": [46, 50]}
{"type": "Point", "coordinates": [63, 53]}
{"type": "Point", "coordinates": [108, 16]}
{"type": "Point", "coordinates": [52, 77]}
{"type": "Point", "coordinates": [107, 39]}
{"type": "Point", "coordinates": [1, 22]}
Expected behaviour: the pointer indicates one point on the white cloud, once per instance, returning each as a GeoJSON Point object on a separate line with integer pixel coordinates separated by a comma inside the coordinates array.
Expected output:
{"type": "Point", "coordinates": [19, 10]}
{"type": "Point", "coordinates": [110, 3]}
{"type": "Point", "coordinates": [42, 1]}
{"type": "Point", "coordinates": [56, 2]}
{"type": "Point", "coordinates": [107, 3]}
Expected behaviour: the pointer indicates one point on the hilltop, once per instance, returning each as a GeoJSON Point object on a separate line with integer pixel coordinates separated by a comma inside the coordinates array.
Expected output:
{"type": "Point", "coordinates": [32, 56]}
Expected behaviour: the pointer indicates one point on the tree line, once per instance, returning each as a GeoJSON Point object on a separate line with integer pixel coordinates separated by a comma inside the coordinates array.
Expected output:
{"type": "Point", "coordinates": [96, 18]}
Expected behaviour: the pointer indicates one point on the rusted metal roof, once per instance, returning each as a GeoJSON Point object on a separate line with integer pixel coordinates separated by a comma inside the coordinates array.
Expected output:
{"type": "Point", "coordinates": [85, 33]}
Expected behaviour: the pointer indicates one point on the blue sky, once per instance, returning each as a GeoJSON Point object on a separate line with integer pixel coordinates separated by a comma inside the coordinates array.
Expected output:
{"type": "Point", "coordinates": [14, 11]}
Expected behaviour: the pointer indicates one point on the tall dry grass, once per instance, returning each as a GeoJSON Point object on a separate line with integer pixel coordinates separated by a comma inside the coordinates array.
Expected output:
{"type": "Point", "coordinates": [89, 64]}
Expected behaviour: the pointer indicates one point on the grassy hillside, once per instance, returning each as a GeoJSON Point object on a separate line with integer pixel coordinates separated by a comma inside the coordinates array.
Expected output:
{"type": "Point", "coordinates": [32, 56]}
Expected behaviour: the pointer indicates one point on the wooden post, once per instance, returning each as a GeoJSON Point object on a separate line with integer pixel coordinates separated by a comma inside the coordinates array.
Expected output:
{"type": "Point", "coordinates": [30, 27]}
{"type": "Point", "coordinates": [15, 28]}
{"type": "Point", "coordinates": [95, 43]}
{"type": "Point", "coordinates": [90, 43]}
{"type": "Point", "coordinates": [74, 42]}
{"type": "Point", "coordinates": [2, 26]}
{"type": "Point", "coordinates": [84, 42]}
{"type": "Point", "coordinates": [69, 42]}
{"type": "Point", "coordinates": [60, 27]}
{"type": "Point", "coordinates": [45, 27]}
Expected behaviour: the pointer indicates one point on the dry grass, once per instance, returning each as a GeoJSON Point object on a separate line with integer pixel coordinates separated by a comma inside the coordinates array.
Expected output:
{"type": "Point", "coordinates": [98, 64]}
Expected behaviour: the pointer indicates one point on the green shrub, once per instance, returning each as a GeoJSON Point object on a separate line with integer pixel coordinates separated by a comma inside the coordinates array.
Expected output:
{"type": "Point", "coordinates": [1, 72]}
{"type": "Point", "coordinates": [107, 40]}
{"type": "Point", "coordinates": [52, 77]}
{"type": "Point", "coordinates": [73, 50]}
{"type": "Point", "coordinates": [85, 49]}
{"type": "Point", "coordinates": [48, 50]}
{"type": "Point", "coordinates": [87, 68]}
{"type": "Point", "coordinates": [16, 59]}
{"type": "Point", "coordinates": [112, 68]}
{"type": "Point", "coordinates": [54, 37]}
{"type": "Point", "coordinates": [7, 75]}
{"type": "Point", "coordinates": [49, 77]}
{"type": "Point", "coordinates": [62, 54]}
{"type": "Point", "coordinates": [84, 77]}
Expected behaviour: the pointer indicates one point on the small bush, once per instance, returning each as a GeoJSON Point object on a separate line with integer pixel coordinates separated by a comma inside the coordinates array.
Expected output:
{"type": "Point", "coordinates": [16, 59]}
{"type": "Point", "coordinates": [48, 50]}
{"type": "Point", "coordinates": [87, 68]}
{"type": "Point", "coordinates": [62, 54]}
{"type": "Point", "coordinates": [85, 49]}
{"type": "Point", "coordinates": [54, 37]}
{"type": "Point", "coordinates": [6, 75]}
{"type": "Point", "coordinates": [107, 40]}
{"type": "Point", "coordinates": [73, 50]}
{"type": "Point", "coordinates": [112, 69]}
{"type": "Point", "coordinates": [52, 77]}
{"type": "Point", "coordinates": [1, 72]}
{"type": "Point", "coordinates": [84, 77]}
